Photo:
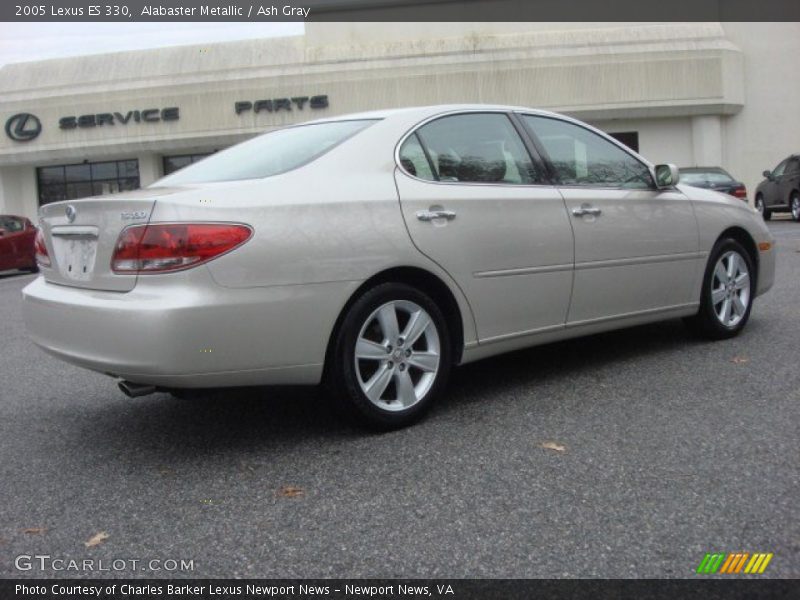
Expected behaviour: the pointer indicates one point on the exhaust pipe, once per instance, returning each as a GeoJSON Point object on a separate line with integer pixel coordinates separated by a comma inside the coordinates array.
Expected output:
{"type": "Point", "coordinates": [134, 390]}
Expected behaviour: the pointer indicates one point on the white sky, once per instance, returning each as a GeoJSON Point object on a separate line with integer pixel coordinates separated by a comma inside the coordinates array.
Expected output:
{"type": "Point", "coordinates": [20, 42]}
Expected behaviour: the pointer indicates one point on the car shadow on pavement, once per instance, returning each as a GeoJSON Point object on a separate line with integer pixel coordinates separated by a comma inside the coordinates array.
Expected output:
{"type": "Point", "coordinates": [278, 419]}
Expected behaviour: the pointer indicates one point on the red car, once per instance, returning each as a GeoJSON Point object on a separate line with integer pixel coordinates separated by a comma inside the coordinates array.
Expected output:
{"type": "Point", "coordinates": [17, 235]}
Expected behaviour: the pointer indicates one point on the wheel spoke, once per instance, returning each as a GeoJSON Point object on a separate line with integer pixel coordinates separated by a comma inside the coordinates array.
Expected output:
{"type": "Point", "coordinates": [417, 325]}
{"type": "Point", "coordinates": [743, 281]}
{"type": "Point", "coordinates": [387, 317]}
{"type": "Point", "coordinates": [425, 361]}
{"type": "Point", "coordinates": [721, 273]}
{"type": "Point", "coordinates": [733, 264]}
{"type": "Point", "coordinates": [725, 313]}
{"type": "Point", "coordinates": [738, 306]}
{"type": "Point", "coordinates": [377, 384]}
{"type": "Point", "coordinates": [369, 350]}
{"type": "Point", "coordinates": [718, 296]}
{"type": "Point", "coordinates": [406, 394]}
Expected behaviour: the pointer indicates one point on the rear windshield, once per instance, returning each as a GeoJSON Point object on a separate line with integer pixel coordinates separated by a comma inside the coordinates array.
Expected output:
{"type": "Point", "coordinates": [269, 154]}
{"type": "Point", "coordinates": [690, 177]}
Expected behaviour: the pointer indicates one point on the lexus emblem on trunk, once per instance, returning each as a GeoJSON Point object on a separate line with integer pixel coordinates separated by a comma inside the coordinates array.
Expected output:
{"type": "Point", "coordinates": [70, 212]}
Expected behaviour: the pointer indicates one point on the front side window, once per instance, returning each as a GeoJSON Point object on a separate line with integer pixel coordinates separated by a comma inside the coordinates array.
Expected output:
{"type": "Point", "coordinates": [469, 148]}
{"type": "Point", "coordinates": [583, 158]}
{"type": "Point", "coordinates": [269, 154]}
{"type": "Point", "coordinates": [780, 169]}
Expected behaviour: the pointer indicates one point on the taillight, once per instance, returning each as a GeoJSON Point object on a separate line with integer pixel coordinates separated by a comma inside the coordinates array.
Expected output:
{"type": "Point", "coordinates": [740, 192]}
{"type": "Point", "coordinates": [161, 247]}
{"type": "Point", "coordinates": [40, 250]}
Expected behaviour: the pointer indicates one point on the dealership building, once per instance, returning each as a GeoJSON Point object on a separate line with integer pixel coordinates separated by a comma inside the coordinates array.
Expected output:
{"type": "Point", "coordinates": [703, 94]}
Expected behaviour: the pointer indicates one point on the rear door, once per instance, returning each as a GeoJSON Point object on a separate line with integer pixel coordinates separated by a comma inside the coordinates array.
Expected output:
{"type": "Point", "coordinates": [636, 247]}
{"type": "Point", "coordinates": [8, 257]}
{"type": "Point", "coordinates": [476, 202]}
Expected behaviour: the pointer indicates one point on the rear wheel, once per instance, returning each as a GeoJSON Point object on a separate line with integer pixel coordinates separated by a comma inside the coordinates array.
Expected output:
{"type": "Point", "coordinates": [391, 357]}
{"type": "Point", "coordinates": [728, 291]}
{"type": "Point", "coordinates": [794, 204]}
{"type": "Point", "coordinates": [761, 207]}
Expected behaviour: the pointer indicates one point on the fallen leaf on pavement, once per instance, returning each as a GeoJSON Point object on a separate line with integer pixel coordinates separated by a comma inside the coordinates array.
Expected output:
{"type": "Point", "coordinates": [553, 446]}
{"type": "Point", "coordinates": [96, 539]}
{"type": "Point", "coordinates": [289, 491]}
{"type": "Point", "coordinates": [34, 530]}
{"type": "Point", "coordinates": [740, 360]}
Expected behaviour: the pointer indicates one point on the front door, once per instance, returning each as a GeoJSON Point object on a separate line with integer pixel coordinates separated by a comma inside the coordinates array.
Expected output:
{"type": "Point", "coordinates": [636, 247]}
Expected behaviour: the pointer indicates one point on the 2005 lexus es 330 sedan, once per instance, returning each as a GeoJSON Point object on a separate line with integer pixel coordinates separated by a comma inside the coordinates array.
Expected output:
{"type": "Point", "coordinates": [375, 251]}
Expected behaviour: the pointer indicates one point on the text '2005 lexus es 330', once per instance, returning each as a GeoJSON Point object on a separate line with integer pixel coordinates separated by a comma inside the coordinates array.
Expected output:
{"type": "Point", "coordinates": [376, 251]}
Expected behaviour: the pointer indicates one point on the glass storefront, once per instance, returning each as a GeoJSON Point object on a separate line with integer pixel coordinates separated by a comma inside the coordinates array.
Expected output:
{"type": "Point", "coordinates": [175, 163]}
{"type": "Point", "coordinates": [69, 182]}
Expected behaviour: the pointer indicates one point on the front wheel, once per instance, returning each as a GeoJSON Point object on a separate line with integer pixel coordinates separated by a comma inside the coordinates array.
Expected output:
{"type": "Point", "coordinates": [727, 294]}
{"type": "Point", "coordinates": [391, 357]}
{"type": "Point", "coordinates": [761, 207]}
{"type": "Point", "coordinates": [794, 204]}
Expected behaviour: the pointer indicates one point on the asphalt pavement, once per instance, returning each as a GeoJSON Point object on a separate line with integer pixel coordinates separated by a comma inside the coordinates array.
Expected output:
{"type": "Point", "coordinates": [661, 448]}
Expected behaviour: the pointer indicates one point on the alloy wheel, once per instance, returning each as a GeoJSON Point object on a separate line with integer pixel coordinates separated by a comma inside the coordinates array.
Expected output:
{"type": "Point", "coordinates": [397, 355]}
{"type": "Point", "coordinates": [730, 288]}
{"type": "Point", "coordinates": [796, 207]}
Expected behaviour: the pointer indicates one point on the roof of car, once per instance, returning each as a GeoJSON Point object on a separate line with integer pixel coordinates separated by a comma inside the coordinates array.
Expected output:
{"type": "Point", "coordinates": [432, 110]}
{"type": "Point", "coordinates": [701, 169]}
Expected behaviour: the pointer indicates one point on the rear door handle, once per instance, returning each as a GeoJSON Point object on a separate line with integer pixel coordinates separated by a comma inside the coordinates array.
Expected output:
{"type": "Point", "coordinates": [430, 215]}
{"type": "Point", "coordinates": [586, 209]}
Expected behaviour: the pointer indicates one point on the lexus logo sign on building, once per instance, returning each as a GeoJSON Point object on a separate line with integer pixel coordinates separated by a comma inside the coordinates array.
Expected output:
{"type": "Point", "coordinates": [23, 127]}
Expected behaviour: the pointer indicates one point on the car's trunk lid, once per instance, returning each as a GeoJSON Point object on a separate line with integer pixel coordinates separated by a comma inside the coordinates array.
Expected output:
{"type": "Point", "coordinates": [81, 235]}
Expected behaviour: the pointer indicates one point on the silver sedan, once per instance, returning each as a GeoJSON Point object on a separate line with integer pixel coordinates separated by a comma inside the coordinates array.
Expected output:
{"type": "Point", "coordinates": [374, 252]}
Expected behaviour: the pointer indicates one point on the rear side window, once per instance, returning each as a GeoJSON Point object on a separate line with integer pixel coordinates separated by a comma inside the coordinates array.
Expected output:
{"type": "Point", "coordinates": [690, 177]}
{"type": "Point", "coordinates": [269, 154]}
{"type": "Point", "coordinates": [11, 224]}
{"type": "Point", "coordinates": [583, 158]}
{"type": "Point", "coordinates": [469, 148]}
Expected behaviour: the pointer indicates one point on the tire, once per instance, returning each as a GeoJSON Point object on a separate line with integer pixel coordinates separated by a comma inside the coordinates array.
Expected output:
{"type": "Point", "coordinates": [712, 321]}
{"type": "Point", "coordinates": [396, 380]}
{"type": "Point", "coordinates": [761, 207]}
{"type": "Point", "coordinates": [794, 206]}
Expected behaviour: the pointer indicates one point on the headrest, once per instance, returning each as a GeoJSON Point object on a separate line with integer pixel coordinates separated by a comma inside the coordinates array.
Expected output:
{"type": "Point", "coordinates": [484, 162]}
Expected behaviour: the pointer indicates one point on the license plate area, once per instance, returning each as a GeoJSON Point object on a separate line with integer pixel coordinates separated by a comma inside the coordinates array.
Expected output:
{"type": "Point", "coordinates": [75, 252]}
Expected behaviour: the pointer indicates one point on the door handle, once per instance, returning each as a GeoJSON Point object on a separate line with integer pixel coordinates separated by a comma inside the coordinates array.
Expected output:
{"type": "Point", "coordinates": [586, 209]}
{"type": "Point", "coordinates": [430, 215]}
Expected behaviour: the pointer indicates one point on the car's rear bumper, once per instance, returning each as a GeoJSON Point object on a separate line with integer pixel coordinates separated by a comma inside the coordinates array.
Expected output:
{"type": "Point", "coordinates": [184, 330]}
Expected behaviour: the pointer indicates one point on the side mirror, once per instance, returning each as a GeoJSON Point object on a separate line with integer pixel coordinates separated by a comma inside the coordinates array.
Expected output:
{"type": "Point", "coordinates": [666, 176]}
{"type": "Point", "coordinates": [2, 232]}
{"type": "Point", "coordinates": [767, 174]}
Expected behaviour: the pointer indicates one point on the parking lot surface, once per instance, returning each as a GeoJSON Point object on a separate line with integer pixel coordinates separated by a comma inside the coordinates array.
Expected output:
{"type": "Point", "coordinates": [658, 449]}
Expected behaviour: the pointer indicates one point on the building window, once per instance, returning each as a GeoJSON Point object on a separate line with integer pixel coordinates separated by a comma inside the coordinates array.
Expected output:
{"type": "Point", "coordinates": [176, 163]}
{"type": "Point", "coordinates": [68, 182]}
{"type": "Point", "coordinates": [629, 138]}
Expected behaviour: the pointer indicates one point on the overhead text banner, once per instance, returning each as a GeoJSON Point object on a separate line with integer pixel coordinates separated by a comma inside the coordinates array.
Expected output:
{"type": "Point", "coordinates": [398, 10]}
